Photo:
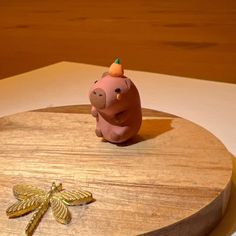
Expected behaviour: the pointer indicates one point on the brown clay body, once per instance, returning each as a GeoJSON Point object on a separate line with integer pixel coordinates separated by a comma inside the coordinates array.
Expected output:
{"type": "Point", "coordinates": [117, 108]}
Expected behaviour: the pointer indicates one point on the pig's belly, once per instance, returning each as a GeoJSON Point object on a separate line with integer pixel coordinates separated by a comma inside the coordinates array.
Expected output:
{"type": "Point", "coordinates": [115, 133]}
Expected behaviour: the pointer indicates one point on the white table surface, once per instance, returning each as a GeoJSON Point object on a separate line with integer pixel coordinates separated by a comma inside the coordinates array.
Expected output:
{"type": "Point", "coordinates": [211, 105]}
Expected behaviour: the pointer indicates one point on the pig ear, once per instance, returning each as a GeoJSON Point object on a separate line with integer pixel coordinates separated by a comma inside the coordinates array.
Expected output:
{"type": "Point", "coordinates": [128, 82]}
{"type": "Point", "coordinates": [104, 74]}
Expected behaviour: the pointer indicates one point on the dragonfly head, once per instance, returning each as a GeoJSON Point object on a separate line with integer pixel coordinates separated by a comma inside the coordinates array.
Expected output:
{"type": "Point", "coordinates": [56, 188]}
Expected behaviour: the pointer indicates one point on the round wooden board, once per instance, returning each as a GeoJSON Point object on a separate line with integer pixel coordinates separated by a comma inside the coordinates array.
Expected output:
{"type": "Point", "coordinates": [172, 179]}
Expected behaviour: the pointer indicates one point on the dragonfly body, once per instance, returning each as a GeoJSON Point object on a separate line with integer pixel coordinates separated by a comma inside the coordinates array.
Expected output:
{"type": "Point", "coordinates": [37, 216]}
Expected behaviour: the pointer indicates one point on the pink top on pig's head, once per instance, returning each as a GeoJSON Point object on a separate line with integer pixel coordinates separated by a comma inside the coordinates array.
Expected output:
{"type": "Point", "coordinates": [116, 105]}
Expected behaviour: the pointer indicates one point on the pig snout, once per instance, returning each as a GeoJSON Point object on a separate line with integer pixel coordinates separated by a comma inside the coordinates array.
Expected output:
{"type": "Point", "coordinates": [98, 98]}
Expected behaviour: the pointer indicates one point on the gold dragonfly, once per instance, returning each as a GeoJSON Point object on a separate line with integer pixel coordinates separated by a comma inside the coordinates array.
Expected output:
{"type": "Point", "coordinates": [31, 198]}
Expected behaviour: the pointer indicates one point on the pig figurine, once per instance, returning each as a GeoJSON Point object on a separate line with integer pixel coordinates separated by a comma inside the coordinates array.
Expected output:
{"type": "Point", "coordinates": [116, 105]}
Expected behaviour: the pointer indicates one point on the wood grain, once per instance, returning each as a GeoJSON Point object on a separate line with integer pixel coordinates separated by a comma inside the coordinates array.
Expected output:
{"type": "Point", "coordinates": [186, 38]}
{"type": "Point", "coordinates": [172, 179]}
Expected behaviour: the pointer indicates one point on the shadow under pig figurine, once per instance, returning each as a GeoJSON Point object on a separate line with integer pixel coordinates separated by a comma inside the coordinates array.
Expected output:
{"type": "Point", "coordinates": [116, 105]}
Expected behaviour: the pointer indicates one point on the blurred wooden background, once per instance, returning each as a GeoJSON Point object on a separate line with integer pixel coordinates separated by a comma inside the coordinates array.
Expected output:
{"type": "Point", "coordinates": [187, 38]}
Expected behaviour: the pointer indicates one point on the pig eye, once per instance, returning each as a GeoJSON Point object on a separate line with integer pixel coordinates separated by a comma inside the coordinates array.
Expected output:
{"type": "Point", "coordinates": [95, 81]}
{"type": "Point", "coordinates": [117, 90]}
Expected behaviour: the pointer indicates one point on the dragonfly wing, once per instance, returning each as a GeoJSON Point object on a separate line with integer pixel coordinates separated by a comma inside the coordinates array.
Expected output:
{"type": "Point", "coordinates": [22, 191]}
{"type": "Point", "coordinates": [77, 197]}
{"type": "Point", "coordinates": [23, 207]}
{"type": "Point", "coordinates": [60, 210]}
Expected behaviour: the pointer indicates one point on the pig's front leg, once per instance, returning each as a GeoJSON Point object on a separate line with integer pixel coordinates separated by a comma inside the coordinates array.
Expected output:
{"type": "Point", "coordinates": [94, 113]}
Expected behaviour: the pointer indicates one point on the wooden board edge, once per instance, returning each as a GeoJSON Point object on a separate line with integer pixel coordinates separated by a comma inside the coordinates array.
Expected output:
{"type": "Point", "coordinates": [207, 218]}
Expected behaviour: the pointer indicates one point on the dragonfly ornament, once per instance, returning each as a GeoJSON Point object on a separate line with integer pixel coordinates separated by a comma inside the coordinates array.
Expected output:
{"type": "Point", "coordinates": [31, 198]}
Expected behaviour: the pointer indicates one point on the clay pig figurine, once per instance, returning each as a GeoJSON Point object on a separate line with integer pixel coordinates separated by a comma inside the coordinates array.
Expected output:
{"type": "Point", "coordinates": [116, 105]}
